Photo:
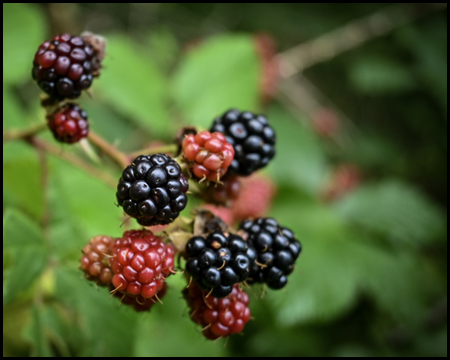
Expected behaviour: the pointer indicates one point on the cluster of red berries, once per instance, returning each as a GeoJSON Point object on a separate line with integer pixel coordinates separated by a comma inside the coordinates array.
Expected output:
{"type": "Point", "coordinates": [63, 67]}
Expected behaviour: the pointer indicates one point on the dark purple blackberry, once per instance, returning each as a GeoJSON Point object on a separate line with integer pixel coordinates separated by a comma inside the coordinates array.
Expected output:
{"type": "Point", "coordinates": [153, 190]}
{"type": "Point", "coordinates": [276, 250]}
{"type": "Point", "coordinates": [218, 261]}
{"type": "Point", "coordinates": [252, 138]}
{"type": "Point", "coordinates": [65, 66]}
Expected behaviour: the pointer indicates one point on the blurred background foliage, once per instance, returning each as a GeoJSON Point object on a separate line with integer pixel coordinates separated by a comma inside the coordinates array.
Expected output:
{"type": "Point", "coordinates": [361, 171]}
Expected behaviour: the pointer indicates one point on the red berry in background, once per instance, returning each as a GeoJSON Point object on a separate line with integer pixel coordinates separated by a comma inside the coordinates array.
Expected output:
{"type": "Point", "coordinates": [68, 124]}
{"type": "Point", "coordinates": [255, 199]}
{"type": "Point", "coordinates": [218, 317]}
{"type": "Point", "coordinates": [209, 155]}
{"type": "Point", "coordinates": [326, 122]}
{"type": "Point", "coordinates": [95, 260]}
{"type": "Point", "coordinates": [270, 71]}
{"type": "Point", "coordinates": [224, 193]}
{"type": "Point", "coordinates": [344, 179]}
{"type": "Point", "coordinates": [66, 65]}
{"type": "Point", "coordinates": [140, 263]}
{"type": "Point", "coordinates": [224, 213]}
{"type": "Point", "coordinates": [139, 303]}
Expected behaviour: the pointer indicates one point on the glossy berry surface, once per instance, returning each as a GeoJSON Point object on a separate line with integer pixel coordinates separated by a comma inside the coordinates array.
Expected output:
{"type": "Point", "coordinates": [68, 124]}
{"type": "Point", "coordinates": [65, 66]}
{"type": "Point", "coordinates": [153, 190]}
{"type": "Point", "coordinates": [140, 263]}
{"type": "Point", "coordinates": [208, 154]}
{"type": "Point", "coordinates": [276, 249]}
{"type": "Point", "coordinates": [217, 262]}
{"type": "Point", "coordinates": [139, 303]}
{"type": "Point", "coordinates": [252, 138]}
{"type": "Point", "coordinates": [218, 317]}
{"type": "Point", "coordinates": [95, 260]}
{"type": "Point", "coordinates": [223, 193]}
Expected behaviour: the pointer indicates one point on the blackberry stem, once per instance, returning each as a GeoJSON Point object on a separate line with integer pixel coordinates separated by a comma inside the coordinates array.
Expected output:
{"type": "Point", "coordinates": [17, 134]}
{"type": "Point", "coordinates": [119, 157]}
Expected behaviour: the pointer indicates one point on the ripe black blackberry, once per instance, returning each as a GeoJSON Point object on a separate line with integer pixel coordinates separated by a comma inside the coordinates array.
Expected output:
{"type": "Point", "coordinates": [276, 249]}
{"type": "Point", "coordinates": [66, 65]}
{"type": "Point", "coordinates": [218, 261]}
{"type": "Point", "coordinates": [252, 138]}
{"type": "Point", "coordinates": [153, 190]}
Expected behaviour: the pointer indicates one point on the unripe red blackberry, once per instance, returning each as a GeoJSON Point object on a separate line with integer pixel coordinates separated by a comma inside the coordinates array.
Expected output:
{"type": "Point", "coordinates": [252, 138]}
{"type": "Point", "coordinates": [208, 155]}
{"type": "Point", "coordinates": [140, 263]}
{"type": "Point", "coordinates": [95, 260]}
{"type": "Point", "coordinates": [276, 249]}
{"type": "Point", "coordinates": [68, 124]}
{"type": "Point", "coordinates": [218, 317]}
{"type": "Point", "coordinates": [225, 192]}
{"type": "Point", "coordinates": [153, 190]}
{"type": "Point", "coordinates": [139, 303]}
{"type": "Point", "coordinates": [65, 66]}
{"type": "Point", "coordinates": [219, 261]}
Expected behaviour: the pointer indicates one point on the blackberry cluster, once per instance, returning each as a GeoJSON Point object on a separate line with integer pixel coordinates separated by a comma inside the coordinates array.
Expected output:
{"type": "Point", "coordinates": [65, 66]}
{"type": "Point", "coordinates": [276, 249]}
{"type": "Point", "coordinates": [218, 262]}
{"type": "Point", "coordinates": [218, 317]}
{"type": "Point", "coordinates": [95, 260]}
{"type": "Point", "coordinates": [68, 124]}
{"type": "Point", "coordinates": [208, 155]}
{"type": "Point", "coordinates": [140, 263]}
{"type": "Point", "coordinates": [153, 190]}
{"type": "Point", "coordinates": [252, 138]}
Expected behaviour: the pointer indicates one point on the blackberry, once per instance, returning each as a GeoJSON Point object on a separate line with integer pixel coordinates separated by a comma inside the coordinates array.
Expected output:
{"type": "Point", "coordinates": [218, 317]}
{"type": "Point", "coordinates": [208, 155]}
{"type": "Point", "coordinates": [276, 249]}
{"type": "Point", "coordinates": [252, 138]}
{"type": "Point", "coordinates": [95, 263]}
{"type": "Point", "coordinates": [153, 190]}
{"type": "Point", "coordinates": [217, 262]}
{"type": "Point", "coordinates": [140, 263]}
{"type": "Point", "coordinates": [139, 303]}
{"type": "Point", "coordinates": [68, 124]}
{"type": "Point", "coordinates": [223, 193]}
{"type": "Point", "coordinates": [65, 66]}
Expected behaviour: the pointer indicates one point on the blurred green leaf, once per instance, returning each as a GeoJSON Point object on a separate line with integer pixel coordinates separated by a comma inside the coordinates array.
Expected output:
{"type": "Point", "coordinates": [21, 179]}
{"type": "Point", "coordinates": [24, 240]}
{"type": "Point", "coordinates": [13, 116]}
{"type": "Point", "coordinates": [394, 209]}
{"type": "Point", "coordinates": [24, 29]}
{"type": "Point", "coordinates": [218, 74]}
{"type": "Point", "coordinates": [379, 75]}
{"type": "Point", "coordinates": [300, 158]}
{"type": "Point", "coordinates": [132, 84]}
{"type": "Point", "coordinates": [36, 334]}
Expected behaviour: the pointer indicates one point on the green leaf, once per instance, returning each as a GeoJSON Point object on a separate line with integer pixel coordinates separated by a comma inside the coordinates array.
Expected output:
{"type": "Point", "coordinates": [24, 30]}
{"type": "Point", "coordinates": [133, 85]}
{"type": "Point", "coordinates": [24, 240]}
{"type": "Point", "coordinates": [394, 209]}
{"type": "Point", "coordinates": [378, 75]}
{"type": "Point", "coordinates": [300, 159]}
{"type": "Point", "coordinates": [22, 186]}
{"type": "Point", "coordinates": [13, 116]}
{"type": "Point", "coordinates": [221, 73]}
{"type": "Point", "coordinates": [36, 334]}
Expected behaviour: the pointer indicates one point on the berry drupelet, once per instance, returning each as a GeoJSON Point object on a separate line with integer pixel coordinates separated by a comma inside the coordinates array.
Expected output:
{"type": "Point", "coordinates": [276, 249]}
{"type": "Point", "coordinates": [139, 303]}
{"type": "Point", "coordinates": [68, 124]}
{"type": "Point", "coordinates": [95, 260]}
{"type": "Point", "coordinates": [65, 66]}
{"type": "Point", "coordinates": [252, 138]}
{"type": "Point", "coordinates": [208, 155]}
{"type": "Point", "coordinates": [153, 190]}
{"type": "Point", "coordinates": [140, 263]}
{"type": "Point", "coordinates": [217, 262]}
{"type": "Point", "coordinates": [218, 317]}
